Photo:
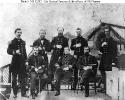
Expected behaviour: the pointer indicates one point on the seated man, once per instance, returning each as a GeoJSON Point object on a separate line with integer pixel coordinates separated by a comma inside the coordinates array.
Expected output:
{"type": "Point", "coordinates": [66, 62]}
{"type": "Point", "coordinates": [38, 67]}
{"type": "Point", "coordinates": [88, 68]}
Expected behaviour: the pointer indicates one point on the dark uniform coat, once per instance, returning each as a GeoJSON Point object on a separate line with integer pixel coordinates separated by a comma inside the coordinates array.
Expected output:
{"type": "Point", "coordinates": [86, 61]}
{"type": "Point", "coordinates": [79, 51]}
{"type": "Point", "coordinates": [45, 47]}
{"type": "Point", "coordinates": [63, 62]}
{"type": "Point", "coordinates": [37, 61]}
{"type": "Point", "coordinates": [86, 74]}
{"type": "Point", "coordinates": [18, 67]}
{"type": "Point", "coordinates": [66, 60]}
{"type": "Point", "coordinates": [109, 53]}
{"type": "Point", "coordinates": [18, 61]}
{"type": "Point", "coordinates": [56, 51]}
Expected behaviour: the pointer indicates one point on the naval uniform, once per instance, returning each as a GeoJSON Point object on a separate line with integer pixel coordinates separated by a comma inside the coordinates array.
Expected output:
{"type": "Point", "coordinates": [37, 61]}
{"type": "Point", "coordinates": [109, 53]}
{"type": "Point", "coordinates": [83, 61]}
{"type": "Point", "coordinates": [18, 67]}
{"type": "Point", "coordinates": [59, 40]}
{"type": "Point", "coordinates": [63, 62]}
{"type": "Point", "coordinates": [45, 47]}
{"type": "Point", "coordinates": [78, 51]}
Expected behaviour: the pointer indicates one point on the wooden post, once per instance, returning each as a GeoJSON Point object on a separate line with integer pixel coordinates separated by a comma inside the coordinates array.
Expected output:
{"type": "Point", "coordinates": [1, 75]}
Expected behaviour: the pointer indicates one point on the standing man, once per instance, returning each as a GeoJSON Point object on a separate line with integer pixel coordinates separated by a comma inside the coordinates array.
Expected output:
{"type": "Point", "coordinates": [64, 64]}
{"type": "Point", "coordinates": [77, 45]}
{"type": "Point", "coordinates": [58, 43]}
{"type": "Point", "coordinates": [17, 48]}
{"type": "Point", "coordinates": [38, 66]}
{"type": "Point", "coordinates": [44, 45]}
{"type": "Point", "coordinates": [88, 69]}
{"type": "Point", "coordinates": [108, 50]}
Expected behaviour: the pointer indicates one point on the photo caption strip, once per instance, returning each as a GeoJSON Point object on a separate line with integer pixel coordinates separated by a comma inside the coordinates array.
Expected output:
{"type": "Point", "coordinates": [60, 1]}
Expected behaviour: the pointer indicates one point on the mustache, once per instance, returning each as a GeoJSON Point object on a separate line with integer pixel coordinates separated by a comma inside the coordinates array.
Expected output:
{"type": "Point", "coordinates": [60, 34]}
{"type": "Point", "coordinates": [19, 34]}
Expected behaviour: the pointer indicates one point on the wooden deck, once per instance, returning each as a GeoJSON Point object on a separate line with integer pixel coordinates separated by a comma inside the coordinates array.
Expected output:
{"type": "Point", "coordinates": [65, 95]}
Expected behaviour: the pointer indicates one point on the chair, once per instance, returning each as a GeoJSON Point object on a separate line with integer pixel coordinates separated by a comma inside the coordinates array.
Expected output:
{"type": "Point", "coordinates": [38, 81]}
{"type": "Point", "coordinates": [38, 85]}
{"type": "Point", "coordinates": [68, 79]}
{"type": "Point", "coordinates": [81, 86]}
{"type": "Point", "coordinates": [37, 89]}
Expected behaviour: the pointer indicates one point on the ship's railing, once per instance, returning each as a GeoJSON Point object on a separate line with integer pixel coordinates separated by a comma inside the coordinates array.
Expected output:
{"type": "Point", "coordinates": [5, 82]}
{"type": "Point", "coordinates": [5, 75]}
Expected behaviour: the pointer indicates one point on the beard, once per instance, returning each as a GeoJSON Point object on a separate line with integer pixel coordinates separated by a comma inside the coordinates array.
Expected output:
{"type": "Point", "coordinates": [42, 37]}
{"type": "Point", "coordinates": [60, 34]}
{"type": "Point", "coordinates": [86, 53]}
{"type": "Point", "coordinates": [78, 34]}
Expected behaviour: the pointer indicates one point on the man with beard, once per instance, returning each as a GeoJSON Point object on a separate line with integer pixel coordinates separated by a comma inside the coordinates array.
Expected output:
{"type": "Point", "coordinates": [38, 66]}
{"type": "Point", "coordinates": [63, 66]}
{"type": "Point", "coordinates": [108, 50]}
{"type": "Point", "coordinates": [77, 45]}
{"type": "Point", "coordinates": [44, 45]}
{"type": "Point", "coordinates": [58, 43]}
{"type": "Point", "coordinates": [88, 68]}
{"type": "Point", "coordinates": [17, 48]}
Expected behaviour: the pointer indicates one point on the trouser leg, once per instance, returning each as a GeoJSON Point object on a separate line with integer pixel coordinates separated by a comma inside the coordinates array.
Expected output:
{"type": "Point", "coordinates": [86, 83]}
{"type": "Point", "coordinates": [52, 78]}
{"type": "Point", "coordinates": [103, 74]}
{"type": "Point", "coordinates": [54, 59]}
{"type": "Point", "coordinates": [33, 82]}
{"type": "Point", "coordinates": [44, 81]}
{"type": "Point", "coordinates": [75, 78]}
{"type": "Point", "coordinates": [14, 83]}
{"type": "Point", "coordinates": [52, 74]}
{"type": "Point", "coordinates": [58, 77]}
{"type": "Point", "coordinates": [85, 77]}
{"type": "Point", "coordinates": [22, 83]}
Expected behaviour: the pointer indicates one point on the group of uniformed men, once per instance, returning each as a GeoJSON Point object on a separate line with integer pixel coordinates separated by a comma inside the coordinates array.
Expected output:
{"type": "Point", "coordinates": [61, 61]}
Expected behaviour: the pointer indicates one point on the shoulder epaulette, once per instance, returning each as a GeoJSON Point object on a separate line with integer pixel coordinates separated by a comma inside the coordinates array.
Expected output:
{"type": "Point", "coordinates": [9, 42]}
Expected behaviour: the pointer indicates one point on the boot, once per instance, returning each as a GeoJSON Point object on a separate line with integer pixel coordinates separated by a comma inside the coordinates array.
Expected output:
{"type": "Point", "coordinates": [86, 90]}
{"type": "Point", "coordinates": [57, 93]}
{"type": "Point", "coordinates": [86, 95]}
{"type": "Point", "coordinates": [33, 96]}
{"type": "Point", "coordinates": [15, 96]}
{"type": "Point", "coordinates": [52, 87]}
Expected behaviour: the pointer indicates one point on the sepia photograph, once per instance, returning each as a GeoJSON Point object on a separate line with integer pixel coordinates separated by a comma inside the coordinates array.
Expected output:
{"type": "Point", "coordinates": [62, 50]}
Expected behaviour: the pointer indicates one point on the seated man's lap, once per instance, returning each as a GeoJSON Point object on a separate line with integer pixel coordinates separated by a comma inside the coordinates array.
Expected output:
{"type": "Point", "coordinates": [58, 74]}
{"type": "Point", "coordinates": [87, 73]}
{"type": "Point", "coordinates": [35, 77]}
